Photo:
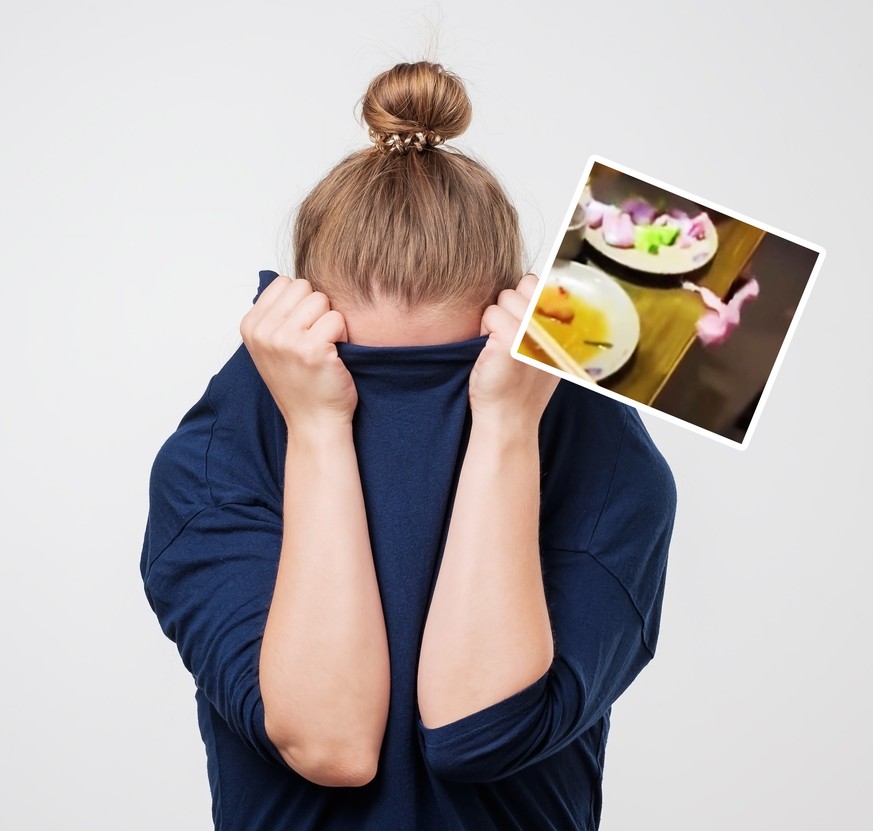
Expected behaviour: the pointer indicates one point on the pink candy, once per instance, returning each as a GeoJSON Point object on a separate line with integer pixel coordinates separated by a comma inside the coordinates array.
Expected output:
{"type": "Point", "coordinates": [690, 229]}
{"type": "Point", "coordinates": [618, 229]}
{"type": "Point", "coordinates": [618, 222]}
{"type": "Point", "coordinates": [594, 212]}
{"type": "Point", "coordinates": [714, 327]}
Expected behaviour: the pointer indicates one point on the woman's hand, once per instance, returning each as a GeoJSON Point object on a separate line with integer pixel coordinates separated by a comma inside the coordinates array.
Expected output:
{"type": "Point", "coordinates": [291, 333]}
{"type": "Point", "coordinates": [502, 388]}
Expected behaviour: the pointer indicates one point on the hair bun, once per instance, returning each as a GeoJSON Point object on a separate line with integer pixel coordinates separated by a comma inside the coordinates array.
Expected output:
{"type": "Point", "coordinates": [415, 103]}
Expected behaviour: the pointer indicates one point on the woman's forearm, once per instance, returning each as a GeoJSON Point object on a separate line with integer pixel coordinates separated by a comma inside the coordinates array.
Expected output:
{"type": "Point", "coordinates": [324, 668]}
{"type": "Point", "coordinates": [488, 634]}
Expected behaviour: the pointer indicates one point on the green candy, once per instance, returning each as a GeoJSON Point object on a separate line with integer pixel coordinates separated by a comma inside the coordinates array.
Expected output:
{"type": "Point", "coordinates": [651, 237]}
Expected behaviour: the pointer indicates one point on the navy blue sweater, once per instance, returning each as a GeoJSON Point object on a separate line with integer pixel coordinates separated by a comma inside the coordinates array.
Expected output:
{"type": "Point", "coordinates": [533, 761]}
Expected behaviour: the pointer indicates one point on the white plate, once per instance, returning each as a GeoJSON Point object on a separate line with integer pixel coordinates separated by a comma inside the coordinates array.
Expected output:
{"type": "Point", "coordinates": [599, 291]}
{"type": "Point", "coordinates": [670, 259]}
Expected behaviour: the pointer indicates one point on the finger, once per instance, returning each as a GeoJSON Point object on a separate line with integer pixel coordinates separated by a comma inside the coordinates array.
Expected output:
{"type": "Point", "coordinates": [308, 310]}
{"type": "Point", "coordinates": [285, 301]}
{"type": "Point", "coordinates": [500, 322]}
{"type": "Point", "coordinates": [263, 302]}
{"type": "Point", "coordinates": [483, 329]}
{"type": "Point", "coordinates": [527, 285]}
{"type": "Point", "coordinates": [281, 290]}
{"type": "Point", "coordinates": [330, 327]}
{"type": "Point", "coordinates": [513, 302]}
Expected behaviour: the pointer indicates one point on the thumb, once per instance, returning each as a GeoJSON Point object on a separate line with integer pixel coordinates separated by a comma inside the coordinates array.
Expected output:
{"type": "Point", "coordinates": [488, 324]}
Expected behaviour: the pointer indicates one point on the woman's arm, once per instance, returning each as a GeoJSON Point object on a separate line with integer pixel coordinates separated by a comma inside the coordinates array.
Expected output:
{"type": "Point", "coordinates": [488, 633]}
{"type": "Point", "coordinates": [324, 664]}
{"type": "Point", "coordinates": [324, 668]}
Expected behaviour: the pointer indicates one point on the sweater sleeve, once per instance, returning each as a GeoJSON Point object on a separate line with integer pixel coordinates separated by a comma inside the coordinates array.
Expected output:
{"type": "Point", "coordinates": [211, 589]}
{"type": "Point", "coordinates": [604, 602]}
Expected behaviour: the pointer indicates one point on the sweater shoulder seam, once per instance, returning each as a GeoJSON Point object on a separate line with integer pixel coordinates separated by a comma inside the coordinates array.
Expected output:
{"type": "Point", "coordinates": [187, 521]}
{"type": "Point", "coordinates": [209, 442]}
{"type": "Point", "coordinates": [611, 480]}
{"type": "Point", "coordinates": [620, 582]}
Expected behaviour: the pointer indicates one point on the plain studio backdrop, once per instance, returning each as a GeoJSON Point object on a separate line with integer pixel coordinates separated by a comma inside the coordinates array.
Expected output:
{"type": "Point", "coordinates": [152, 154]}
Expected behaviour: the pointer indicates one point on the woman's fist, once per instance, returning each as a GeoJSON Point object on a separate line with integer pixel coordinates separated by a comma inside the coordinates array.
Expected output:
{"type": "Point", "coordinates": [501, 386]}
{"type": "Point", "coordinates": [291, 334]}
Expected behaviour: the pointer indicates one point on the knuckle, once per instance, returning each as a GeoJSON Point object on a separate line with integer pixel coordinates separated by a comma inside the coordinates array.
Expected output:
{"type": "Point", "coordinates": [244, 327]}
{"type": "Point", "coordinates": [307, 356]}
{"type": "Point", "coordinates": [285, 341]}
{"type": "Point", "coordinates": [277, 285]}
{"type": "Point", "coordinates": [256, 336]}
{"type": "Point", "coordinates": [276, 342]}
{"type": "Point", "coordinates": [528, 283]}
{"type": "Point", "coordinates": [506, 295]}
{"type": "Point", "coordinates": [490, 316]}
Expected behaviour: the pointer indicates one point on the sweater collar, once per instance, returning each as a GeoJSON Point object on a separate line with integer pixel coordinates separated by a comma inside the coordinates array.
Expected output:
{"type": "Point", "coordinates": [437, 360]}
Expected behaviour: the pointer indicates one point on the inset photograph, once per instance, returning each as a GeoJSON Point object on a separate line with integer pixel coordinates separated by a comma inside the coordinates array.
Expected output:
{"type": "Point", "coordinates": [680, 306]}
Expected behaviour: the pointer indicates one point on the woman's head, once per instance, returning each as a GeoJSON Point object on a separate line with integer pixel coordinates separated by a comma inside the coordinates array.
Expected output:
{"type": "Point", "coordinates": [409, 222]}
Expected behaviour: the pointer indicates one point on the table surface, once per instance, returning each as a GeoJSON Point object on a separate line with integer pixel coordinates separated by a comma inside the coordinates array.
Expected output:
{"type": "Point", "coordinates": [669, 313]}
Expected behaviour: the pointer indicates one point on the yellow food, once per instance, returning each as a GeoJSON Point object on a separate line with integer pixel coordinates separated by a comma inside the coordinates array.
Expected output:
{"type": "Point", "coordinates": [570, 322]}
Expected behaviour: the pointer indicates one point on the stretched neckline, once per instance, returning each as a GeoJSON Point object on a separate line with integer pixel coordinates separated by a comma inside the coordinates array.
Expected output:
{"type": "Point", "coordinates": [453, 351]}
{"type": "Point", "coordinates": [458, 352]}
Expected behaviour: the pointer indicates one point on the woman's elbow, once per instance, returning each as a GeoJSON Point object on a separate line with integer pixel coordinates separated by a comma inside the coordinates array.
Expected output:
{"type": "Point", "coordinates": [344, 769]}
{"type": "Point", "coordinates": [334, 763]}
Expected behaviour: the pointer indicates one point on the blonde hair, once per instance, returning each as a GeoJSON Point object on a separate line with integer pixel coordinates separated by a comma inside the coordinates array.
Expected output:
{"type": "Point", "coordinates": [426, 227]}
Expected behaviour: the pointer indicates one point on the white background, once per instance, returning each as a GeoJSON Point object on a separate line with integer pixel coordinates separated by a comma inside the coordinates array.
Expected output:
{"type": "Point", "coordinates": [151, 156]}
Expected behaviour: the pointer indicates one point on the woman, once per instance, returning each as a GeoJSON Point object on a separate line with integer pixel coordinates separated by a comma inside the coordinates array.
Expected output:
{"type": "Point", "coordinates": [409, 574]}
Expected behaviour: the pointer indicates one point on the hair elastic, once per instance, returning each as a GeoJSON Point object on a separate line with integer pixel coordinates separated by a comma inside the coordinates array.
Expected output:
{"type": "Point", "coordinates": [391, 142]}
